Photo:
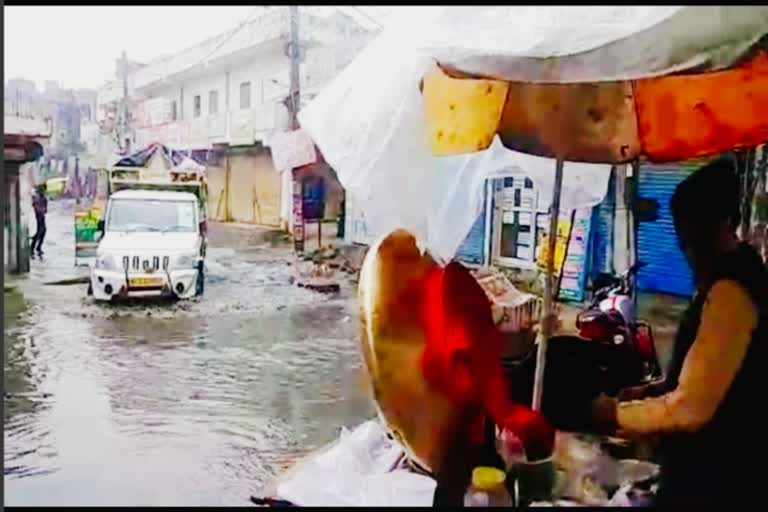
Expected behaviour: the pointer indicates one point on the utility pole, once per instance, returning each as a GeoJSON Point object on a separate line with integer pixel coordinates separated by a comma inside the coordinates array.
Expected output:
{"type": "Point", "coordinates": [294, 53]}
{"type": "Point", "coordinates": [124, 141]}
{"type": "Point", "coordinates": [294, 50]}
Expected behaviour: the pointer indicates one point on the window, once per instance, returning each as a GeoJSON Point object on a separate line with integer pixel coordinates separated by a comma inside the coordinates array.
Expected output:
{"type": "Point", "coordinates": [174, 111]}
{"type": "Point", "coordinates": [86, 112]}
{"type": "Point", "coordinates": [196, 106]}
{"type": "Point", "coordinates": [522, 221]}
{"type": "Point", "coordinates": [213, 103]}
{"type": "Point", "coordinates": [152, 215]}
{"type": "Point", "coordinates": [245, 95]}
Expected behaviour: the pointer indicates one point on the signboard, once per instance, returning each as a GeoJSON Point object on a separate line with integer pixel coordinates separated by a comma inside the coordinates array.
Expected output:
{"type": "Point", "coordinates": [298, 214]}
{"type": "Point", "coordinates": [86, 229]}
{"type": "Point", "coordinates": [292, 149]}
{"type": "Point", "coordinates": [512, 309]}
{"type": "Point", "coordinates": [356, 229]}
{"type": "Point", "coordinates": [542, 242]}
{"type": "Point", "coordinates": [574, 278]}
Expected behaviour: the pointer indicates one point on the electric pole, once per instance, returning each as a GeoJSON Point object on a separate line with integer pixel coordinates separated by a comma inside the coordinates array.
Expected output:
{"type": "Point", "coordinates": [124, 141]}
{"type": "Point", "coordinates": [295, 55]}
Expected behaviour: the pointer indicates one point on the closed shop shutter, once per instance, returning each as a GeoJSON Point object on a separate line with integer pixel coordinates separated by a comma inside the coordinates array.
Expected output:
{"type": "Point", "coordinates": [254, 190]}
{"type": "Point", "coordinates": [667, 270]}
{"type": "Point", "coordinates": [602, 249]}
{"type": "Point", "coordinates": [472, 249]}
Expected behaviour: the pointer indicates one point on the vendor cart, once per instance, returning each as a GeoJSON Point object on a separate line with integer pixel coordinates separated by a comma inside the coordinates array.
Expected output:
{"type": "Point", "coordinates": [604, 85]}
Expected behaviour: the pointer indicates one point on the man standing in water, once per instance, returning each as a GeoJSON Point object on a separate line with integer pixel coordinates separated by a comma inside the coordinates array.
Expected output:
{"type": "Point", "coordinates": [705, 411]}
{"type": "Point", "coordinates": [40, 205]}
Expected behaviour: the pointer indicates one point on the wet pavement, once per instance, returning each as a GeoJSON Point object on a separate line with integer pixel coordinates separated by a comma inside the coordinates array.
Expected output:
{"type": "Point", "coordinates": [192, 403]}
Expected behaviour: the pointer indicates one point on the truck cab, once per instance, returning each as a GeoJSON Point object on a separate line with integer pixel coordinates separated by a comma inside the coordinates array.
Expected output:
{"type": "Point", "coordinates": [152, 245]}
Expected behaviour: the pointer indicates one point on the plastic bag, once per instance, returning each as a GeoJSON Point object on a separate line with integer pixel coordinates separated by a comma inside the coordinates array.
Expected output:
{"type": "Point", "coordinates": [358, 470]}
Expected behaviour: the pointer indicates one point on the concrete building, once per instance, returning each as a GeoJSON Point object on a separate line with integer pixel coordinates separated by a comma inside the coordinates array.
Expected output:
{"type": "Point", "coordinates": [70, 113]}
{"type": "Point", "coordinates": [224, 98]}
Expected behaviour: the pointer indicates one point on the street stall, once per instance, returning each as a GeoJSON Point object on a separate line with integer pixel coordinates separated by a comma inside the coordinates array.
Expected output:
{"type": "Point", "coordinates": [561, 87]}
{"type": "Point", "coordinates": [88, 211]}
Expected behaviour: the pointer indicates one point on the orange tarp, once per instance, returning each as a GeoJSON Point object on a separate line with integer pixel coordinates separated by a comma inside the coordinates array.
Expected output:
{"type": "Point", "coordinates": [687, 116]}
{"type": "Point", "coordinates": [670, 118]}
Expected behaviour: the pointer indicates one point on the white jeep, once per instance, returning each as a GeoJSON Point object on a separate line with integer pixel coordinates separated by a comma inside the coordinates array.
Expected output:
{"type": "Point", "coordinates": [152, 245]}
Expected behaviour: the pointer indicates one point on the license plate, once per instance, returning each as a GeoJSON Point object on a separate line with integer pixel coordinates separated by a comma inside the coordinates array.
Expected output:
{"type": "Point", "coordinates": [144, 282]}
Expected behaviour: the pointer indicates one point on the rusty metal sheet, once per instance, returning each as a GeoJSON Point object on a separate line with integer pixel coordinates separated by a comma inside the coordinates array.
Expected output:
{"type": "Point", "coordinates": [590, 122]}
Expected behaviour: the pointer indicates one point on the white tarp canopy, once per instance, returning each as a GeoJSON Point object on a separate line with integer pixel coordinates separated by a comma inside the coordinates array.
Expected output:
{"type": "Point", "coordinates": [370, 125]}
{"type": "Point", "coordinates": [590, 43]}
{"type": "Point", "coordinates": [187, 164]}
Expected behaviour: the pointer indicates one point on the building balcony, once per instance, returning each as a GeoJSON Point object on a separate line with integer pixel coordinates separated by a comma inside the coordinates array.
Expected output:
{"type": "Point", "coordinates": [236, 127]}
{"type": "Point", "coordinates": [34, 127]}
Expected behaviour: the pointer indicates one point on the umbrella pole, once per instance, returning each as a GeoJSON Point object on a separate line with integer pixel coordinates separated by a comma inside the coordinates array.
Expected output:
{"type": "Point", "coordinates": [545, 326]}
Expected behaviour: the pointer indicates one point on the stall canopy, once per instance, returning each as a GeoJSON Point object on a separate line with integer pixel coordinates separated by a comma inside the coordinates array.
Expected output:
{"type": "Point", "coordinates": [662, 89]}
{"type": "Point", "coordinates": [599, 85]}
{"type": "Point", "coordinates": [171, 159]}
{"type": "Point", "coordinates": [381, 142]}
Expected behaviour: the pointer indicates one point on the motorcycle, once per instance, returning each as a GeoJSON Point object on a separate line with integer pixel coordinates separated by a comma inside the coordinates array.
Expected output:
{"type": "Point", "coordinates": [610, 319]}
{"type": "Point", "coordinates": [611, 351]}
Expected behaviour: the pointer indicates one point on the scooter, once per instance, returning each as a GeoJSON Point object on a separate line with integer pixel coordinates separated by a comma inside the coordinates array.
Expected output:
{"type": "Point", "coordinates": [610, 318]}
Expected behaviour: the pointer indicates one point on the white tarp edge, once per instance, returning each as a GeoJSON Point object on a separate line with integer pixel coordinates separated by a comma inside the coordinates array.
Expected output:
{"type": "Point", "coordinates": [359, 470]}
{"type": "Point", "coordinates": [590, 43]}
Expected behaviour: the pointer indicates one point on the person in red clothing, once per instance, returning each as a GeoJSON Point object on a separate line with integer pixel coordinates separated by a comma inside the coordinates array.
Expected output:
{"type": "Point", "coordinates": [433, 353]}
{"type": "Point", "coordinates": [40, 206]}
{"type": "Point", "coordinates": [463, 359]}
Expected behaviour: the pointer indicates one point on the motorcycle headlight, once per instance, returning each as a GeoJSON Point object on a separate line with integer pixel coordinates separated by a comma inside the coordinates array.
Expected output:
{"type": "Point", "coordinates": [186, 261]}
{"type": "Point", "coordinates": [105, 262]}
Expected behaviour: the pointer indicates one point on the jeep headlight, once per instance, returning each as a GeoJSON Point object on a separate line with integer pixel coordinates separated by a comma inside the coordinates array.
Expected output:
{"type": "Point", "coordinates": [188, 260]}
{"type": "Point", "coordinates": [105, 262]}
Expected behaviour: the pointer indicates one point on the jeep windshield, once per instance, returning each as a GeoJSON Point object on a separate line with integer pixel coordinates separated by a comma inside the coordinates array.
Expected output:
{"type": "Point", "coordinates": [152, 215]}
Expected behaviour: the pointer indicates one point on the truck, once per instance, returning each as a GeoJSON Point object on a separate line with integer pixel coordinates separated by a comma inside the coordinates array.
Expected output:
{"type": "Point", "coordinates": [152, 237]}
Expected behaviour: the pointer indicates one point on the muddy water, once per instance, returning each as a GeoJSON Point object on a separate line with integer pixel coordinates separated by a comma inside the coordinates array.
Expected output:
{"type": "Point", "coordinates": [196, 403]}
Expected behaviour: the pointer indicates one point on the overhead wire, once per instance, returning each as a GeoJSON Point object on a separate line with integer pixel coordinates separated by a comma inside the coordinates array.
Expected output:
{"type": "Point", "coordinates": [366, 16]}
{"type": "Point", "coordinates": [232, 34]}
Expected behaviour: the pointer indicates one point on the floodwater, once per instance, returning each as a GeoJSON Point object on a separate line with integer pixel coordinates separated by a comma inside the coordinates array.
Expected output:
{"type": "Point", "coordinates": [196, 403]}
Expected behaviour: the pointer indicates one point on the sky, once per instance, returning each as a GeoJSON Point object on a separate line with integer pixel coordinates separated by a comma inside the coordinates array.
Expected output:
{"type": "Point", "coordinates": [77, 46]}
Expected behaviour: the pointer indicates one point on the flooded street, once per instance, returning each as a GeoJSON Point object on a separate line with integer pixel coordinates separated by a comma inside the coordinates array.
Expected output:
{"type": "Point", "coordinates": [196, 403]}
{"type": "Point", "coordinates": [190, 403]}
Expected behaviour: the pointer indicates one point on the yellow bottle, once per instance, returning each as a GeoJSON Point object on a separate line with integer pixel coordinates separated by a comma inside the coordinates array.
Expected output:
{"type": "Point", "coordinates": [488, 489]}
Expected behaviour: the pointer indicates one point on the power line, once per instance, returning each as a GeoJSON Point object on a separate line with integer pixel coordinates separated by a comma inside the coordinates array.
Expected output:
{"type": "Point", "coordinates": [366, 16]}
{"type": "Point", "coordinates": [232, 34]}
{"type": "Point", "coordinates": [226, 39]}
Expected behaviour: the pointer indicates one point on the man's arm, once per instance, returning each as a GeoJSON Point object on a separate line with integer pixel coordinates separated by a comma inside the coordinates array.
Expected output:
{"type": "Point", "coordinates": [728, 320]}
{"type": "Point", "coordinates": [641, 392]}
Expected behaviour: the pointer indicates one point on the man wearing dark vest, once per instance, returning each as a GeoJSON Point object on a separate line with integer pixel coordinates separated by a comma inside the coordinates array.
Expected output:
{"type": "Point", "coordinates": [40, 206]}
{"type": "Point", "coordinates": [707, 412]}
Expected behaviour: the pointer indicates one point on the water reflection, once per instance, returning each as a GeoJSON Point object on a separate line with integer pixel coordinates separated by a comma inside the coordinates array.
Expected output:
{"type": "Point", "coordinates": [24, 400]}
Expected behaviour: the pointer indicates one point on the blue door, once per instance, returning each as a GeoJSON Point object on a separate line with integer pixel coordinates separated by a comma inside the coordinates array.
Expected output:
{"type": "Point", "coordinates": [313, 198]}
